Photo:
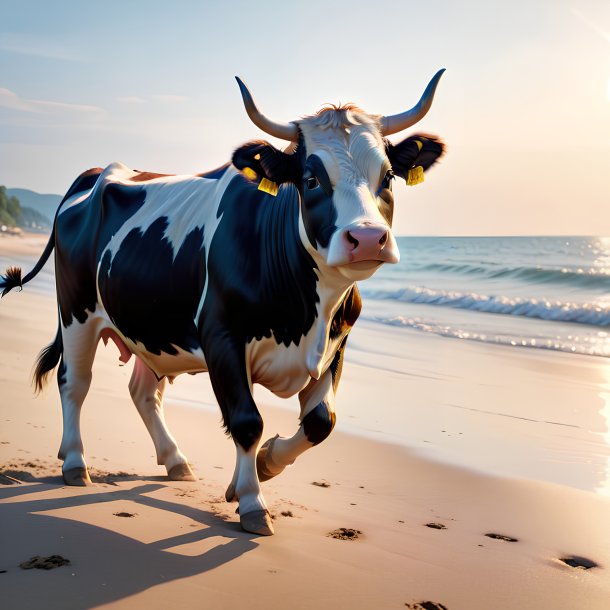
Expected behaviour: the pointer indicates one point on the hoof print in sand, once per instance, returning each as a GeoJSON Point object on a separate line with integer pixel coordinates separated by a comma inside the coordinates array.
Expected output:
{"type": "Point", "coordinates": [320, 483]}
{"type": "Point", "coordinates": [580, 563]}
{"type": "Point", "coordinates": [345, 533]}
{"type": "Point", "coordinates": [436, 526]}
{"type": "Point", "coordinates": [502, 537]}
{"type": "Point", "coordinates": [426, 606]}
{"type": "Point", "coordinates": [287, 513]}
{"type": "Point", "coordinates": [124, 514]}
{"type": "Point", "coordinates": [44, 563]}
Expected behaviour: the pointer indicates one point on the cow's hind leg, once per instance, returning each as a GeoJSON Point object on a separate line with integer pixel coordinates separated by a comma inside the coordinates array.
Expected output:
{"type": "Point", "coordinates": [74, 379]}
{"type": "Point", "coordinates": [147, 393]}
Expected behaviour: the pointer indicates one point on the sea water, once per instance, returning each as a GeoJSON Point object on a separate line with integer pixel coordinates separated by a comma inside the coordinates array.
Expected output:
{"type": "Point", "coordinates": [536, 292]}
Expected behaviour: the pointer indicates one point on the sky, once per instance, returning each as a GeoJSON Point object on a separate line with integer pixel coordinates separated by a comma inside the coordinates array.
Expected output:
{"type": "Point", "coordinates": [524, 106]}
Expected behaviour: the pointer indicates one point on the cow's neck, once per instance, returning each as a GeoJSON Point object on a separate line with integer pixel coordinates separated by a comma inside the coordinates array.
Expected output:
{"type": "Point", "coordinates": [332, 288]}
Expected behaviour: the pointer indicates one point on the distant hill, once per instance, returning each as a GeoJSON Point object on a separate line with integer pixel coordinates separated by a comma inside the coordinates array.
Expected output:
{"type": "Point", "coordinates": [43, 204]}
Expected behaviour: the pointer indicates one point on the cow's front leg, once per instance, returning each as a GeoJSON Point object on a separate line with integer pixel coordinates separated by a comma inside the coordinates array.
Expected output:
{"type": "Point", "coordinates": [147, 394]}
{"type": "Point", "coordinates": [226, 364]}
{"type": "Point", "coordinates": [317, 421]}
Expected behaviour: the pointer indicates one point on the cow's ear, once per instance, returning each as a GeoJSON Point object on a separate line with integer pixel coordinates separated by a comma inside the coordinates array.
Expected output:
{"type": "Point", "coordinates": [413, 156]}
{"type": "Point", "coordinates": [260, 160]}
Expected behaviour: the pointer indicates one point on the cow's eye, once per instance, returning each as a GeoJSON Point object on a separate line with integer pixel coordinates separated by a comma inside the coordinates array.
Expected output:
{"type": "Point", "coordinates": [312, 183]}
{"type": "Point", "coordinates": [387, 179]}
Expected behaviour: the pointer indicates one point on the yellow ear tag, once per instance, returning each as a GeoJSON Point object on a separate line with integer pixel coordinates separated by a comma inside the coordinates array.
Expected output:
{"type": "Point", "coordinates": [415, 176]}
{"type": "Point", "coordinates": [268, 187]}
{"type": "Point", "coordinates": [249, 173]}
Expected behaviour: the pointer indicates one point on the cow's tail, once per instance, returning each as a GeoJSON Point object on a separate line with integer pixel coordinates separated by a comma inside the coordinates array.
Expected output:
{"type": "Point", "coordinates": [12, 278]}
{"type": "Point", "coordinates": [47, 360]}
{"type": "Point", "coordinates": [49, 357]}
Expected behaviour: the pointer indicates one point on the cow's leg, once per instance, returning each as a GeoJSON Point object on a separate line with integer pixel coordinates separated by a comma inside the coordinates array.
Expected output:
{"type": "Point", "coordinates": [147, 393]}
{"type": "Point", "coordinates": [74, 378]}
{"type": "Point", "coordinates": [229, 377]}
{"type": "Point", "coordinates": [317, 422]}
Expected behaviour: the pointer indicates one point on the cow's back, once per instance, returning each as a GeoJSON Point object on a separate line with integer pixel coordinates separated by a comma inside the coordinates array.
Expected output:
{"type": "Point", "coordinates": [131, 247]}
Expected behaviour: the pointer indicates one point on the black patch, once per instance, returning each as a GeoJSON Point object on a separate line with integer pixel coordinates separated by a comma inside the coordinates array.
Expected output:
{"type": "Point", "coordinates": [407, 154]}
{"type": "Point", "coordinates": [262, 281]}
{"type": "Point", "coordinates": [82, 233]}
{"type": "Point", "coordinates": [347, 313]}
{"type": "Point", "coordinates": [215, 174]}
{"type": "Point", "coordinates": [310, 178]}
{"type": "Point", "coordinates": [84, 182]}
{"type": "Point", "coordinates": [319, 211]}
{"type": "Point", "coordinates": [342, 322]}
{"type": "Point", "coordinates": [385, 198]}
{"type": "Point", "coordinates": [271, 163]}
{"type": "Point", "coordinates": [150, 296]}
{"type": "Point", "coordinates": [318, 423]}
{"type": "Point", "coordinates": [336, 366]}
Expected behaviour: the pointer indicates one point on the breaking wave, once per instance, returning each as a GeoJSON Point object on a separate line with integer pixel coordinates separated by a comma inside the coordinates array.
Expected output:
{"type": "Point", "coordinates": [598, 345]}
{"type": "Point", "coordinates": [595, 313]}
{"type": "Point", "coordinates": [578, 277]}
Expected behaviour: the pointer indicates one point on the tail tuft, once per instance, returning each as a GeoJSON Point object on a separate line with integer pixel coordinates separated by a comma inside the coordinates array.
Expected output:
{"type": "Point", "coordinates": [11, 280]}
{"type": "Point", "coordinates": [47, 360]}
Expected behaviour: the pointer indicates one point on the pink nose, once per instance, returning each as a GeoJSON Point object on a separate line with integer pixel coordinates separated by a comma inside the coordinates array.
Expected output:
{"type": "Point", "coordinates": [365, 243]}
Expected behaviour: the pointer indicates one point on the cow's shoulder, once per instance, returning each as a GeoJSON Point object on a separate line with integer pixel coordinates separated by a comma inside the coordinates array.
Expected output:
{"type": "Point", "coordinates": [263, 282]}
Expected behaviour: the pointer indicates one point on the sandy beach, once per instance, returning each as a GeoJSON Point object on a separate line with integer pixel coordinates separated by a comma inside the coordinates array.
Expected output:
{"type": "Point", "coordinates": [439, 443]}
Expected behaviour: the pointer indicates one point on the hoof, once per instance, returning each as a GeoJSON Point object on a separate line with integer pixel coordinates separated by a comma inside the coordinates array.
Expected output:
{"type": "Point", "coordinates": [181, 472]}
{"type": "Point", "coordinates": [230, 495]}
{"type": "Point", "coordinates": [257, 522]}
{"type": "Point", "coordinates": [76, 477]}
{"type": "Point", "coordinates": [264, 463]}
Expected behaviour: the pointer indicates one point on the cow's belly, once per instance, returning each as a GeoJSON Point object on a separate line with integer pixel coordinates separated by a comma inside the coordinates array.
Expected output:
{"type": "Point", "coordinates": [280, 369]}
{"type": "Point", "coordinates": [163, 364]}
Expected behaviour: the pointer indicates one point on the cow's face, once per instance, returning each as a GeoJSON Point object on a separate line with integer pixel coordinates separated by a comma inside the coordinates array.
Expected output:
{"type": "Point", "coordinates": [347, 204]}
{"type": "Point", "coordinates": [344, 169]}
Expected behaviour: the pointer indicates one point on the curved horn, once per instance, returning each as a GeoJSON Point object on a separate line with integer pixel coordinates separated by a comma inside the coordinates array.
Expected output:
{"type": "Point", "coordinates": [284, 131]}
{"type": "Point", "coordinates": [398, 122]}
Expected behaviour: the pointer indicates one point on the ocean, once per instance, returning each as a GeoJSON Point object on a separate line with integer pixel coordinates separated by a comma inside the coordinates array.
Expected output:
{"type": "Point", "coordinates": [534, 292]}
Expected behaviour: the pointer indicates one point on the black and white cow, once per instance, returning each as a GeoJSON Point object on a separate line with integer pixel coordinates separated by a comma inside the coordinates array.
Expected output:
{"type": "Point", "coordinates": [247, 272]}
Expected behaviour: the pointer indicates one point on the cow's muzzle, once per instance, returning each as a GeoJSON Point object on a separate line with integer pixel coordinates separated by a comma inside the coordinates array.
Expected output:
{"type": "Point", "coordinates": [363, 242]}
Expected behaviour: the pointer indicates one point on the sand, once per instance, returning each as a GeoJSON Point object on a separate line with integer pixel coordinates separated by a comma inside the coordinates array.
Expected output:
{"type": "Point", "coordinates": [136, 540]}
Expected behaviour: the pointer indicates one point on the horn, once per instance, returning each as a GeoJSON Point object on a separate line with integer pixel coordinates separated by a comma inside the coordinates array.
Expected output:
{"type": "Point", "coordinates": [284, 131]}
{"type": "Point", "coordinates": [398, 122]}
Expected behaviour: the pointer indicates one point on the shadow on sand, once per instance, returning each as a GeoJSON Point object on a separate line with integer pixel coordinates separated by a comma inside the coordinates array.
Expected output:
{"type": "Point", "coordinates": [105, 566]}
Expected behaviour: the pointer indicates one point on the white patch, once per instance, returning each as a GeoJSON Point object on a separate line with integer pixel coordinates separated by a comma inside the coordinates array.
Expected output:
{"type": "Point", "coordinates": [285, 371]}
{"type": "Point", "coordinates": [75, 200]}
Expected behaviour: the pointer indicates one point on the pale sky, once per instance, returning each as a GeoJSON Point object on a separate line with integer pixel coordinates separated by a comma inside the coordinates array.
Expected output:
{"type": "Point", "coordinates": [524, 106]}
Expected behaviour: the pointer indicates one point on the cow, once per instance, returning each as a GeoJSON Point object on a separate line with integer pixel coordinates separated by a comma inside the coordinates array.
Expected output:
{"type": "Point", "coordinates": [247, 272]}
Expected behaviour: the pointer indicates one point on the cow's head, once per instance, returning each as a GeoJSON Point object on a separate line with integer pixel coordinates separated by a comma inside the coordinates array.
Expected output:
{"type": "Point", "coordinates": [343, 167]}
